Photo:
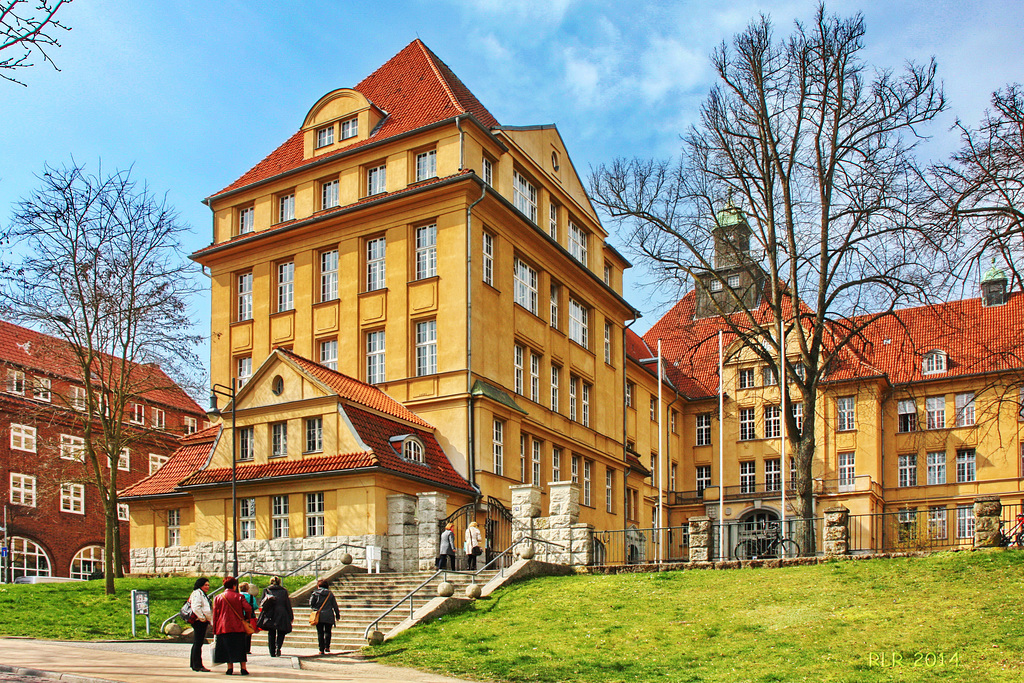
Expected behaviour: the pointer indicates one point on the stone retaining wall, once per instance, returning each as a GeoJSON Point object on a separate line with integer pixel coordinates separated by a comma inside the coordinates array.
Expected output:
{"type": "Point", "coordinates": [569, 542]}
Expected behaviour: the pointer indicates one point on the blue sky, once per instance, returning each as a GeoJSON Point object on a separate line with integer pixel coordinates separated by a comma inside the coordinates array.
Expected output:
{"type": "Point", "coordinates": [195, 93]}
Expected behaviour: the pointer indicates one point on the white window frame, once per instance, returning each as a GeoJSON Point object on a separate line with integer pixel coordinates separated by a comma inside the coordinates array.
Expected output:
{"type": "Point", "coordinates": [330, 194]}
{"type": "Point", "coordinates": [72, 448]}
{"type": "Point", "coordinates": [325, 136]}
{"type": "Point", "coordinates": [556, 463]}
{"type": "Point", "coordinates": [556, 293]}
{"type": "Point", "coordinates": [41, 389]}
{"type": "Point", "coordinates": [412, 449]}
{"type": "Point", "coordinates": [772, 422]}
{"type": "Point", "coordinates": [375, 356]}
{"type": "Point", "coordinates": [15, 382]}
{"type": "Point", "coordinates": [573, 398]}
{"type": "Point", "coordinates": [244, 309]}
{"type": "Point", "coordinates": [534, 377]}
{"type": "Point", "coordinates": [123, 512]}
{"type": "Point", "coordinates": [280, 517]}
{"type": "Point", "coordinates": [934, 362]}
{"type": "Point", "coordinates": [846, 413]}
{"type": "Point", "coordinates": [426, 348]}
{"type": "Point", "coordinates": [138, 414]}
{"type": "Point", "coordinates": [609, 489]}
{"type": "Point", "coordinates": [772, 474]}
{"type": "Point", "coordinates": [329, 275]}
{"type": "Point", "coordinates": [525, 285]}
{"type": "Point", "coordinates": [488, 258]}
{"type": "Point", "coordinates": [124, 460]}
{"type": "Point", "coordinates": [556, 376]}
{"type": "Point", "coordinates": [518, 381]}
{"type": "Point", "coordinates": [316, 515]}
{"type": "Point", "coordinates": [376, 265]}
{"type": "Point", "coordinates": [279, 440]}
{"type": "Point", "coordinates": [286, 207]}
{"type": "Point", "coordinates": [243, 371]}
{"type": "Point", "coordinates": [936, 467]}
{"type": "Point", "coordinates": [498, 447]}
{"type": "Point", "coordinates": [553, 220]}
{"type": "Point", "coordinates": [191, 425]}
{"type": "Point", "coordinates": [23, 489]}
{"type": "Point", "coordinates": [578, 323]}
{"type": "Point", "coordinates": [426, 165]}
{"type": "Point", "coordinates": [906, 416]}
{"type": "Point", "coordinates": [847, 471]}
{"type": "Point", "coordinates": [703, 435]}
{"type": "Point", "coordinates": [964, 403]}
{"type": "Point", "coordinates": [522, 457]}
{"type": "Point", "coordinates": [588, 467]}
{"type": "Point", "coordinates": [285, 286]}
{"type": "Point", "coordinates": [156, 461]}
{"type": "Point", "coordinates": [314, 428]}
{"type": "Point", "coordinates": [524, 195]}
{"type": "Point", "coordinates": [173, 528]}
{"type": "Point", "coordinates": [965, 522]}
{"type": "Point", "coordinates": [78, 398]}
{"type": "Point", "coordinates": [487, 170]}
{"type": "Point", "coordinates": [608, 343]}
{"type": "Point", "coordinates": [72, 498]}
{"type": "Point", "coordinates": [246, 220]}
{"type": "Point", "coordinates": [349, 129]}
{"type": "Point", "coordinates": [703, 478]}
{"type": "Point", "coordinates": [907, 470]}
{"type": "Point", "coordinates": [575, 469]}
{"type": "Point", "coordinates": [937, 522]}
{"type": "Point", "coordinates": [329, 353]}
{"type": "Point", "coordinates": [376, 180]}
{"type": "Point", "coordinates": [935, 410]}
{"type": "Point", "coordinates": [247, 518]}
{"type": "Point", "coordinates": [578, 243]}
{"type": "Point", "coordinates": [246, 444]}
{"type": "Point", "coordinates": [966, 466]}
{"type": "Point", "coordinates": [426, 251]}
{"type": "Point", "coordinates": [748, 424]}
{"type": "Point", "coordinates": [23, 438]}
{"type": "Point", "coordinates": [585, 403]}
{"type": "Point", "coordinates": [536, 446]}
{"type": "Point", "coordinates": [733, 281]}
{"type": "Point", "coordinates": [748, 476]}
{"type": "Point", "coordinates": [746, 378]}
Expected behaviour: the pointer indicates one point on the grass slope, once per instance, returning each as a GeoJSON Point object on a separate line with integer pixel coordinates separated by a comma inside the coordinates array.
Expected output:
{"type": "Point", "coordinates": [947, 617]}
{"type": "Point", "coordinates": [81, 611]}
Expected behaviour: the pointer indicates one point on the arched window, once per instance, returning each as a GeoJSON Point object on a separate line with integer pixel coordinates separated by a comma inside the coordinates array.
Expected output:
{"type": "Point", "coordinates": [412, 449]}
{"type": "Point", "coordinates": [87, 562]}
{"type": "Point", "coordinates": [28, 558]}
{"type": "Point", "coordinates": [934, 362]}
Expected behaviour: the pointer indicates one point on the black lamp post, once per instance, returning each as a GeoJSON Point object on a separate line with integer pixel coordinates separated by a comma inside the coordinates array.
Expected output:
{"type": "Point", "coordinates": [213, 413]}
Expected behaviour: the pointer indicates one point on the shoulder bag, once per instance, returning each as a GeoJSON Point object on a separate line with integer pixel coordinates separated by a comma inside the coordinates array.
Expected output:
{"type": "Point", "coordinates": [246, 626]}
{"type": "Point", "coordinates": [314, 617]}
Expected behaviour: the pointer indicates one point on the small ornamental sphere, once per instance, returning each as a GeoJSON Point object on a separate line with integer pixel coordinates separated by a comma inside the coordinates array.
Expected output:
{"type": "Point", "coordinates": [473, 591]}
{"type": "Point", "coordinates": [346, 558]}
{"type": "Point", "coordinates": [445, 589]}
{"type": "Point", "coordinates": [376, 638]}
{"type": "Point", "coordinates": [526, 553]}
{"type": "Point", "coordinates": [172, 629]}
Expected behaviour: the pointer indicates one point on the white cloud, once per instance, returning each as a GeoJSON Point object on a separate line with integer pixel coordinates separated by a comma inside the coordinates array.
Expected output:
{"type": "Point", "coordinates": [668, 66]}
{"type": "Point", "coordinates": [537, 11]}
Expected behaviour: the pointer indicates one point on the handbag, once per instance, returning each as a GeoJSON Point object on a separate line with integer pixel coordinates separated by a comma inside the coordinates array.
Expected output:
{"type": "Point", "coordinates": [476, 551]}
{"type": "Point", "coordinates": [246, 626]}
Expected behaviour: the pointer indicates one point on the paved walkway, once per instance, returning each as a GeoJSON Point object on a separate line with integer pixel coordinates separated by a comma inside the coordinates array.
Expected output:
{"type": "Point", "coordinates": [135, 662]}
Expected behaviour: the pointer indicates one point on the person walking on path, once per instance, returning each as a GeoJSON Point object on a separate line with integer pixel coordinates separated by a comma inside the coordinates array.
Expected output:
{"type": "Point", "coordinates": [446, 554]}
{"type": "Point", "coordinates": [326, 605]}
{"type": "Point", "coordinates": [279, 623]}
{"type": "Point", "coordinates": [243, 589]}
{"type": "Point", "coordinates": [472, 545]}
{"type": "Point", "coordinates": [230, 617]}
{"type": "Point", "coordinates": [202, 614]}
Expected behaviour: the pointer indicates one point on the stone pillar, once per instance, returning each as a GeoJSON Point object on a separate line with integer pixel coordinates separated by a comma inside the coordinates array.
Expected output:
{"type": "Point", "coordinates": [700, 539]}
{"type": "Point", "coordinates": [837, 531]}
{"type": "Point", "coordinates": [431, 508]}
{"type": "Point", "coordinates": [565, 503]}
{"type": "Point", "coordinates": [525, 513]}
{"type": "Point", "coordinates": [987, 512]}
{"type": "Point", "coordinates": [403, 534]}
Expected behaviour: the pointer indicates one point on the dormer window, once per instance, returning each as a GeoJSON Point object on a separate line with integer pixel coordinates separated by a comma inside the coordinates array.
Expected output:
{"type": "Point", "coordinates": [733, 281]}
{"type": "Point", "coordinates": [410, 447]}
{"type": "Point", "coordinates": [934, 362]}
{"type": "Point", "coordinates": [715, 285]}
{"type": "Point", "coordinates": [349, 129]}
{"type": "Point", "coordinates": [325, 136]}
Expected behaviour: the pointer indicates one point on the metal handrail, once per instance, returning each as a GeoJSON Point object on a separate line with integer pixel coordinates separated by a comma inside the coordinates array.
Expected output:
{"type": "Point", "coordinates": [372, 625]}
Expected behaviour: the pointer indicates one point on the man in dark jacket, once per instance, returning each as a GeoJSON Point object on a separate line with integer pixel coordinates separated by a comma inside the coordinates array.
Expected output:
{"type": "Point", "coordinates": [326, 606]}
{"type": "Point", "coordinates": [279, 621]}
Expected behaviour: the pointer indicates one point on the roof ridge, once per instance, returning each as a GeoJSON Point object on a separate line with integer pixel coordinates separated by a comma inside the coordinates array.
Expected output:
{"type": "Point", "coordinates": [432, 59]}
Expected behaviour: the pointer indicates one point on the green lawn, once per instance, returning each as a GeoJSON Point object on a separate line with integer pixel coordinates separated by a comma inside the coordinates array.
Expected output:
{"type": "Point", "coordinates": [81, 611]}
{"type": "Point", "coordinates": [948, 617]}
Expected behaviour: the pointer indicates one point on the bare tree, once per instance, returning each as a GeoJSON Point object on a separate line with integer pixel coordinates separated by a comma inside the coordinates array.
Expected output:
{"type": "Point", "coordinates": [28, 27]}
{"type": "Point", "coordinates": [98, 266]}
{"type": "Point", "coordinates": [816, 147]}
{"type": "Point", "coordinates": [980, 192]}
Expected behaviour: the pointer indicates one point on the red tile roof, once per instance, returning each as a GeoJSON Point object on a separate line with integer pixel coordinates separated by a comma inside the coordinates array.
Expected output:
{"type": "Point", "coordinates": [352, 389]}
{"type": "Point", "coordinates": [636, 347]}
{"type": "Point", "coordinates": [42, 353]}
{"type": "Point", "coordinates": [193, 453]}
{"type": "Point", "coordinates": [414, 88]}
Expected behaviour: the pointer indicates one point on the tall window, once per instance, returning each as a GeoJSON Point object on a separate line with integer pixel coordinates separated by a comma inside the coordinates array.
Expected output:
{"type": "Point", "coordinates": [23, 438]}
{"type": "Point", "coordinates": [329, 275]}
{"type": "Point", "coordinates": [748, 430]}
{"type": "Point", "coordinates": [673, 471]}
{"type": "Point", "coordinates": [191, 425]}
{"type": "Point", "coordinates": [279, 509]}
{"type": "Point", "coordinates": [673, 421]}
{"type": "Point", "coordinates": [556, 464]}
{"type": "Point", "coordinates": [609, 489]}
{"type": "Point", "coordinates": [935, 411]}
{"type": "Point", "coordinates": [315, 510]}
{"type": "Point", "coordinates": [535, 461]}
{"type": "Point", "coordinates": [575, 467]}
{"type": "Point", "coordinates": [488, 260]}
{"type": "Point", "coordinates": [426, 251]}
{"type": "Point", "coordinates": [72, 447]}
{"type": "Point", "coordinates": [349, 129]}
{"type": "Point", "coordinates": [325, 136]}
{"type": "Point", "coordinates": [426, 348]}
{"type": "Point", "coordinates": [587, 468]}
{"type": "Point", "coordinates": [498, 447]}
{"type": "Point", "coordinates": [534, 377]}
{"type": "Point", "coordinates": [487, 168]}
{"type": "Point", "coordinates": [286, 208]}
{"type": "Point", "coordinates": [937, 522]}
{"type": "Point", "coordinates": [376, 277]}
{"type": "Point", "coordinates": [375, 357]}
{"type": "Point", "coordinates": [245, 220]}
{"type": "Point", "coordinates": [703, 429]}
{"type": "Point", "coordinates": [748, 476]}
{"type": "Point", "coordinates": [23, 489]}
{"type": "Point", "coordinates": [654, 408]}
{"type": "Point", "coordinates": [746, 378]}
{"type": "Point", "coordinates": [772, 475]}
{"type": "Point", "coordinates": [522, 457]}
{"type": "Point", "coordinates": [578, 330]}
{"type": "Point", "coordinates": [907, 410]}
{"type": "Point", "coordinates": [78, 398]}
{"type": "Point", "coordinates": [772, 423]}
{"type": "Point", "coordinates": [553, 220]}
{"type": "Point", "coordinates": [703, 478]}
{"type": "Point", "coordinates": [556, 373]}
{"type": "Point", "coordinates": [243, 370]}
{"type": "Point", "coordinates": [608, 343]}
{"type": "Point", "coordinates": [907, 470]}
{"type": "Point", "coordinates": [173, 528]}
{"type": "Point", "coordinates": [845, 413]}
{"type": "Point", "coordinates": [329, 194]}
{"type": "Point", "coordinates": [524, 195]}
{"type": "Point", "coordinates": [376, 180]}
{"type": "Point", "coordinates": [314, 434]}
{"type": "Point", "coordinates": [585, 404]}
{"type": "Point", "coordinates": [630, 393]}
{"type": "Point", "coordinates": [245, 443]}
{"type": "Point", "coordinates": [768, 376]}
{"type": "Point", "coordinates": [525, 291]}
{"type": "Point", "coordinates": [797, 410]}
{"type": "Point", "coordinates": [279, 440]}
{"type": "Point", "coordinates": [965, 466]}
{"type": "Point", "coordinates": [329, 353]}
{"type": "Point", "coordinates": [426, 165]}
{"type": "Point", "coordinates": [245, 296]}
{"type": "Point", "coordinates": [965, 409]}
{"type": "Point", "coordinates": [517, 355]}
{"type": "Point", "coordinates": [578, 243]}
{"type": "Point", "coordinates": [847, 474]}
{"type": "Point", "coordinates": [285, 286]}
{"type": "Point", "coordinates": [936, 465]}
{"type": "Point", "coordinates": [965, 522]}
{"type": "Point", "coordinates": [16, 381]}
{"type": "Point", "coordinates": [574, 398]}
{"type": "Point", "coordinates": [41, 389]}
{"type": "Point", "coordinates": [553, 313]}
{"type": "Point", "coordinates": [247, 518]}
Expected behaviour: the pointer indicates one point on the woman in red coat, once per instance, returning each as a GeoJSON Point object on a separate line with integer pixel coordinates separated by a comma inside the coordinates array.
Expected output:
{"type": "Point", "coordinates": [230, 614]}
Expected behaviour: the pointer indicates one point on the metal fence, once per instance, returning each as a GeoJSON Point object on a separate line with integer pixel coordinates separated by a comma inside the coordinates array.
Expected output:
{"type": "Point", "coordinates": [641, 546]}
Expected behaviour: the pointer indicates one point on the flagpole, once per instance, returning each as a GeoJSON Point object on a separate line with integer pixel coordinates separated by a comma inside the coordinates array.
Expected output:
{"type": "Point", "coordinates": [721, 450]}
{"type": "Point", "coordinates": [783, 383]}
{"type": "Point", "coordinates": [661, 466]}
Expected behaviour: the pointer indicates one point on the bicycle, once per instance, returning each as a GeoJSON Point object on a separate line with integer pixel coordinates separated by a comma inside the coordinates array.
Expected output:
{"type": "Point", "coordinates": [1015, 536]}
{"type": "Point", "coordinates": [770, 543]}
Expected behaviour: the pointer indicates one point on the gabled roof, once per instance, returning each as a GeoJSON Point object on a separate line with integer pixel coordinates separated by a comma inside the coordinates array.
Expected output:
{"type": "Point", "coordinates": [53, 357]}
{"type": "Point", "coordinates": [193, 453]}
{"type": "Point", "coordinates": [414, 88]}
{"type": "Point", "coordinates": [636, 347]}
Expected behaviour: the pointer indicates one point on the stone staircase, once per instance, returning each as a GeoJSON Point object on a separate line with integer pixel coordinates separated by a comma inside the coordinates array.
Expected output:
{"type": "Point", "coordinates": [361, 599]}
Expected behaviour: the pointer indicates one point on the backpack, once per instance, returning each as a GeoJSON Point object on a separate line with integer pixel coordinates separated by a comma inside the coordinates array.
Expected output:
{"type": "Point", "coordinates": [186, 611]}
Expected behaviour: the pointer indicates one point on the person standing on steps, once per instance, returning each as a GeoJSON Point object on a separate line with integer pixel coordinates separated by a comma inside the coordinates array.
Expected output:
{"type": "Point", "coordinates": [326, 605]}
{"type": "Point", "coordinates": [473, 548]}
{"type": "Point", "coordinates": [243, 590]}
{"type": "Point", "coordinates": [202, 614]}
{"type": "Point", "coordinates": [231, 614]}
{"type": "Point", "coordinates": [280, 621]}
{"type": "Point", "coordinates": [446, 555]}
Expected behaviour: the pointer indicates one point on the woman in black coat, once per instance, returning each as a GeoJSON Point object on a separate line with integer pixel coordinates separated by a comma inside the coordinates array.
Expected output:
{"type": "Point", "coordinates": [325, 604]}
{"type": "Point", "coordinates": [278, 622]}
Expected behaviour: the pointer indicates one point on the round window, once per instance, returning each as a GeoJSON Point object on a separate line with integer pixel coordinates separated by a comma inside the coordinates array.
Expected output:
{"type": "Point", "coordinates": [277, 386]}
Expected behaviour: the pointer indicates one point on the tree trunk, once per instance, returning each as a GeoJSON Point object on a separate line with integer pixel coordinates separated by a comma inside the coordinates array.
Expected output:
{"type": "Point", "coordinates": [108, 556]}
